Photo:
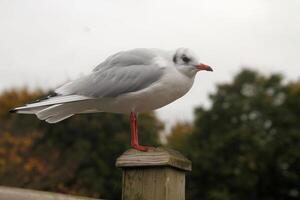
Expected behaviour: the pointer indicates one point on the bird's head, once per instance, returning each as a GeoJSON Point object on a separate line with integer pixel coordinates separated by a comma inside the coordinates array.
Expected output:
{"type": "Point", "coordinates": [187, 62]}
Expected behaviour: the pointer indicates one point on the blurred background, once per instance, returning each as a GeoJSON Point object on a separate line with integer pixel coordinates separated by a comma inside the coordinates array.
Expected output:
{"type": "Point", "coordinates": [240, 125]}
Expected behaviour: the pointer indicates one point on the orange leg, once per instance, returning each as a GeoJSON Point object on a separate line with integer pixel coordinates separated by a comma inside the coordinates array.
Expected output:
{"type": "Point", "coordinates": [134, 133]}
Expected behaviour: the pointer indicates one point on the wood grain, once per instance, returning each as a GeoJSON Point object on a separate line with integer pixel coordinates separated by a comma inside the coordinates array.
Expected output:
{"type": "Point", "coordinates": [154, 157]}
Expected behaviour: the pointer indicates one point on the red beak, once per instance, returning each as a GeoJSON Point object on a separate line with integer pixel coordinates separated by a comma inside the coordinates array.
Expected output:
{"type": "Point", "coordinates": [204, 67]}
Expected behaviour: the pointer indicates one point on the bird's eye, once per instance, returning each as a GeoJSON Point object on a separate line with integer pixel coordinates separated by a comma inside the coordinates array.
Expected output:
{"type": "Point", "coordinates": [185, 59]}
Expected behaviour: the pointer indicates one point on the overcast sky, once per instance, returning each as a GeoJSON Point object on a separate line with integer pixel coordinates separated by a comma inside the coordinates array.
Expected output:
{"type": "Point", "coordinates": [44, 43]}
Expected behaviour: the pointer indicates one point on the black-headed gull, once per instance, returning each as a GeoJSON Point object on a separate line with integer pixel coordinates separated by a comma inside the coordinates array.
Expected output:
{"type": "Point", "coordinates": [131, 81]}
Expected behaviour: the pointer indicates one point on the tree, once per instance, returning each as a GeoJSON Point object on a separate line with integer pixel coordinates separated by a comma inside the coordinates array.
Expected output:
{"type": "Point", "coordinates": [15, 123]}
{"type": "Point", "coordinates": [247, 144]}
{"type": "Point", "coordinates": [75, 156]}
{"type": "Point", "coordinates": [180, 134]}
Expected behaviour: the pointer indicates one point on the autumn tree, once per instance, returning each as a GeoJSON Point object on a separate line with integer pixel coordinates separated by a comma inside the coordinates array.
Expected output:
{"type": "Point", "coordinates": [74, 156]}
{"type": "Point", "coordinates": [180, 134]}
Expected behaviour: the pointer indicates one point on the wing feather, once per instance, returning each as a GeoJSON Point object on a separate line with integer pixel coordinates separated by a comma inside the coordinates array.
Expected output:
{"type": "Point", "coordinates": [121, 73]}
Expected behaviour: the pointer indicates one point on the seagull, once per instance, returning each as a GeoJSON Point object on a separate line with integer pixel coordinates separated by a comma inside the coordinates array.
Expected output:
{"type": "Point", "coordinates": [132, 81]}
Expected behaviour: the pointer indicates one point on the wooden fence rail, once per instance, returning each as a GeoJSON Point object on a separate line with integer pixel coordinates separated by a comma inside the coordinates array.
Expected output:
{"type": "Point", "coordinates": [9, 193]}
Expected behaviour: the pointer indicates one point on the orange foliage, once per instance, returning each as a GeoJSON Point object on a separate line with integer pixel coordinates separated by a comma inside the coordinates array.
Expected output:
{"type": "Point", "coordinates": [14, 150]}
{"type": "Point", "coordinates": [15, 97]}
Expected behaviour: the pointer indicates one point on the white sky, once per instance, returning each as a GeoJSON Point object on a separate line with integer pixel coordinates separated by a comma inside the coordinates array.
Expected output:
{"type": "Point", "coordinates": [44, 43]}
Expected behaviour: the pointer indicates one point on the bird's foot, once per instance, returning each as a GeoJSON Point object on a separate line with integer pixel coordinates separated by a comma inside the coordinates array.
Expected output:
{"type": "Point", "coordinates": [140, 147]}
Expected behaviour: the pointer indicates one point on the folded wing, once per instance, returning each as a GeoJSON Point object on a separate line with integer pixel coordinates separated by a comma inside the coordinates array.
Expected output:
{"type": "Point", "coordinates": [121, 73]}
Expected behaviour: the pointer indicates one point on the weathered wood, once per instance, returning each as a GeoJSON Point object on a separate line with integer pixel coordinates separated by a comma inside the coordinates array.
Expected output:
{"type": "Point", "coordinates": [9, 193]}
{"type": "Point", "coordinates": [154, 157]}
{"type": "Point", "coordinates": [158, 174]}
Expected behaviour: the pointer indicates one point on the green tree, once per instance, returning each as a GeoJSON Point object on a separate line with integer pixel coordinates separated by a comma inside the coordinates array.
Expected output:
{"type": "Point", "coordinates": [247, 144]}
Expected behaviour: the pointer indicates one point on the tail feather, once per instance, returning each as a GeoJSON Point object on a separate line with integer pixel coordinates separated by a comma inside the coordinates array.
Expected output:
{"type": "Point", "coordinates": [35, 107]}
{"type": "Point", "coordinates": [58, 118]}
{"type": "Point", "coordinates": [49, 111]}
{"type": "Point", "coordinates": [52, 101]}
{"type": "Point", "coordinates": [27, 110]}
{"type": "Point", "coordinates": [58, 108]}
{"type": "Point", "coordinates": [58, 112]}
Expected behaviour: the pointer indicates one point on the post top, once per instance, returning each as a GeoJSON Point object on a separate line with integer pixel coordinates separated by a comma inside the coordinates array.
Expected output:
{"type": "Point", "coordinates": [159, 156]}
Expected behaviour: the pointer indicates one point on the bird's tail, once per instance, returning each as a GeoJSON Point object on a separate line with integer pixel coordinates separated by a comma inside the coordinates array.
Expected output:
{"type": "Point", "coordinates": [55, 109]}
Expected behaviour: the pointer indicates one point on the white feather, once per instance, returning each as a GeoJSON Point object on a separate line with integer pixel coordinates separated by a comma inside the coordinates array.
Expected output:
{"type": "Point", "coordinates": [58, 118]}
{"type": "Point", "coordinates": [30, 110]}
{"type": "Point", "coordinates": [47, 112]}
{"type": "Point", "coordinates": [58, 112]}
{"type": "Point", "coordinates": [52, 101]}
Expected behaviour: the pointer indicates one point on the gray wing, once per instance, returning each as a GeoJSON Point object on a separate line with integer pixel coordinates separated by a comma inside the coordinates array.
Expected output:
{"type": "Point", "coordinates": [121, 73]}
{"type": "Point", "coordinates": [128, 58]}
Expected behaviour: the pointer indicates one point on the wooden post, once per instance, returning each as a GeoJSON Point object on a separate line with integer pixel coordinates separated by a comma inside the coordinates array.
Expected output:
{"type": "Point", "coordinates": [158, 174]}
